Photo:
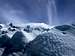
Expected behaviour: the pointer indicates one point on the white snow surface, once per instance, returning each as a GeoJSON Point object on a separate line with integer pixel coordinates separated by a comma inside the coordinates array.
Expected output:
{"type": "Point", "coordinates": [29, 35]}
{"type": "Point", "coordinates": [68, 39]}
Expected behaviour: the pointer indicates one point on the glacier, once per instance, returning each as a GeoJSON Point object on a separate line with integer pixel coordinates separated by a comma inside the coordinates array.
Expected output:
{"type": "Point", "coordinates": [37, 39]}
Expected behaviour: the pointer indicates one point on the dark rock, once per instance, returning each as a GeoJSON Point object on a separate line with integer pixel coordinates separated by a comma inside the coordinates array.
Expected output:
{"type": "Point", "coordinates": [1, 27]}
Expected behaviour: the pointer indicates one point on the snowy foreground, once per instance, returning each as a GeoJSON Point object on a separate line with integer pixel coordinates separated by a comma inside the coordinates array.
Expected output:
{"type": "Point", "coordinates": [37, 39]}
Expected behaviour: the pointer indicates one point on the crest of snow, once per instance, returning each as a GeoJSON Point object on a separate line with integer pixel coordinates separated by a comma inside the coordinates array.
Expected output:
{"type": "Point", "coordinates": [32, 35]}
{"type": "Point", "coordinates": [29, 36]}
{"type": "Point", "coordinates": [43, 25]}
{"type": "Point", "coordinates": [10, 34]}
{"type": "Point", "coordinates": [4, 27]}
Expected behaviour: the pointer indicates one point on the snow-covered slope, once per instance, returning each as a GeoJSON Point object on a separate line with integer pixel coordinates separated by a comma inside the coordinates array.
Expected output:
{"type": "Point", "coordinates": [66, 35]}
{"type": "Point", "coordinates": [38, 39]}
{"type": "Point", "coordinates": [19, 35]}
{"type": "Point", "coordinates": [29, 30]}
{"type": "Point", "coordinates": [60, 38]}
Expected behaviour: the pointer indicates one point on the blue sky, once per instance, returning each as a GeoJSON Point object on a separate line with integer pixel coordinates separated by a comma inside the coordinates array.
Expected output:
{"type": "Point", "coordinates": [25, 11]}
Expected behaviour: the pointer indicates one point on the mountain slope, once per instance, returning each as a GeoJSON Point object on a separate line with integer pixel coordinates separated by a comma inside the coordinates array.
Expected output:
{"type": "Point", "coordinates": [38, 39]}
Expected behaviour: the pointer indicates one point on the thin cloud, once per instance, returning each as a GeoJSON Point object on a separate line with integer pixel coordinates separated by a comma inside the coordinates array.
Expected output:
{"type": "Point", "coordinates": [11, 15]}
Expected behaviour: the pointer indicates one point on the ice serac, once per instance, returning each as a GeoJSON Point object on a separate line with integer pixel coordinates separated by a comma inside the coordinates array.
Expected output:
{"type": "Point", "coordinates": [38, 39]}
